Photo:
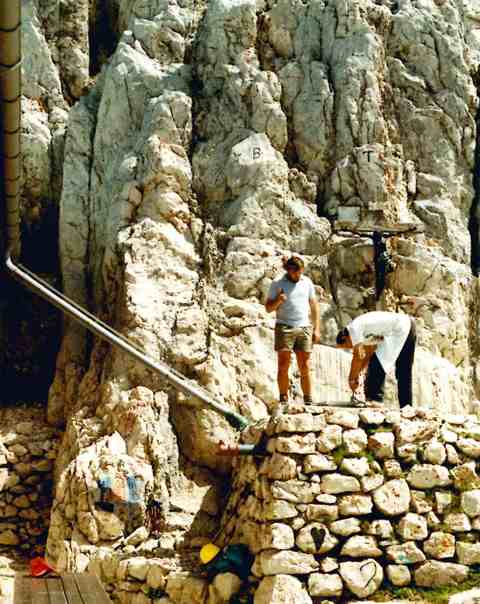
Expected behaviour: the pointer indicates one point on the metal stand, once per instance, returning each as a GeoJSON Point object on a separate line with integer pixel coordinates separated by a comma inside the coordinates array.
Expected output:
{"type": "Point", "coordinates": [382, 260]}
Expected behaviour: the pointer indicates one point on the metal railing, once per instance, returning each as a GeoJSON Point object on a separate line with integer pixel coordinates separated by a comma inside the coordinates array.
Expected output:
{"type": "Point", "coordinates": [104, 331]}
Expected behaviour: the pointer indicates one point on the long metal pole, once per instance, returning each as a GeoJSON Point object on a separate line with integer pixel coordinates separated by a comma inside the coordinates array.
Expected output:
{"type": "Point", "coordinates": [104, 331]}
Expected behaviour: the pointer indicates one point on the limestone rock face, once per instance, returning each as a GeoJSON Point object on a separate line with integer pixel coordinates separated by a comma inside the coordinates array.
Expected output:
{"type": "Point", "coordinates": [252, 198]}
{"type": "Point", "coordinates": [184, 148]}
{"type": "Point", "coordinates": [45, 114]}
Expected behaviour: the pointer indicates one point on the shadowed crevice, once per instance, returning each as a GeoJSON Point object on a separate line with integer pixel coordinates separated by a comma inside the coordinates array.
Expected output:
{"type": "Point", "coordinates": [102, 35]}
{"type": "Point", "coordinates": [474, 221]}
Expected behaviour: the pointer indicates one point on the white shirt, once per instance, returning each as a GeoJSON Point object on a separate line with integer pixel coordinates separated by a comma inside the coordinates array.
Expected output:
{"type": "Point", "coordinates": [294, 312]}
{"type": "Point", "coordinates": [388, 330]}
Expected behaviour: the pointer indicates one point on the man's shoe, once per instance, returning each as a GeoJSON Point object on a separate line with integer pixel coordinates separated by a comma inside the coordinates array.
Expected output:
{"type": "Point", "coordinates": [374, 404]}
{"type": "Point", "coordinates": [279, 406]}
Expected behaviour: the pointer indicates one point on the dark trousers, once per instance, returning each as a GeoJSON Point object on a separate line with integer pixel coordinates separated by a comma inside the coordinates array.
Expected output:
{"type": "Point", "coordinates": [375, 379]}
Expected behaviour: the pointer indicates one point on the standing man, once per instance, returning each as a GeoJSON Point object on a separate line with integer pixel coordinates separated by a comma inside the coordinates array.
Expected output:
{"type": "Point", "coordinates": [292, 297]}
{"type": "Point", "coordinates": [381, 340]}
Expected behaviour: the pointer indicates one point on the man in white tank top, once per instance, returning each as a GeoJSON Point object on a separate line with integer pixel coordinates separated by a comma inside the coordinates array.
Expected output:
{"type": "Point", "coordinates": [381, 341]}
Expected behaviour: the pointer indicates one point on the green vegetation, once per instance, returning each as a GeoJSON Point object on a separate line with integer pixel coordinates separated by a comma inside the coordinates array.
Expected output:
{"type": "Point", "coordinates": [338, 455]}
{"type": "Point", "coordinates": [438, 595]}
{"type": "Point", "coordinates": [370, 430]}
{"type": "Point", "coordinates": [369, 457]}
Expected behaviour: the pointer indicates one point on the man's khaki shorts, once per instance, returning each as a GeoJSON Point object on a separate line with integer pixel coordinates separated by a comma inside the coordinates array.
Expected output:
{"type": "Point", "coordinates": [298, 339]}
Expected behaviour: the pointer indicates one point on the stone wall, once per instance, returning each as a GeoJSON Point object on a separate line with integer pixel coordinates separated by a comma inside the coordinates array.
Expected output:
{"type": "Point", "coordinates": [27, 453]}
{"type": "Point", "coordinates": [336, 503]}
{"type": "Point", "coordinates": [344, 501]}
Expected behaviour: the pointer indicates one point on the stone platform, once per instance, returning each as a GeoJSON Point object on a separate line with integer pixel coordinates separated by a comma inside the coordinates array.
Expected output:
{"type": "Point", "coordinates": [341, 501]}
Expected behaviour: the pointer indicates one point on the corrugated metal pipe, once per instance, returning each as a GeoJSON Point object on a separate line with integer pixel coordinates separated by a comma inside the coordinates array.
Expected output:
{"type": "Point", "coordinates": [10, 90]}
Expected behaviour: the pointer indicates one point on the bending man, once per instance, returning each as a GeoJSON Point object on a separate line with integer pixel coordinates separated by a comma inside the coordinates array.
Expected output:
{"type": "Point", "coordinates": [292, 297]}
{"type": "Point", "coordinates": [381, 340]}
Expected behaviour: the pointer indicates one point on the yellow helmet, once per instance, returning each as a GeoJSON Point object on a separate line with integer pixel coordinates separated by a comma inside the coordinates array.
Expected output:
{"type": "Point", "coordinates": [208, 552]}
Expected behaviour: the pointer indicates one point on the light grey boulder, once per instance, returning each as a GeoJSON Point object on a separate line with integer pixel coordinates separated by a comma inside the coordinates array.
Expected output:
{"type": "Point", "coordinates": [362, 578]}
{"type": "Point", "coordinates": [440, 545]}
{"type": "Point", "coordinates": [440, 574]}
{"type": "Point", "coordinates": [393, 498]}
{"type": "Point", "coordinates": [281, 589]}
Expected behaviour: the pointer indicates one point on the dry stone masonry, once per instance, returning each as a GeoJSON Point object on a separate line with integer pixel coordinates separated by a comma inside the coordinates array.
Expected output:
{"type": "Point", "coordinates": [336, 505]}
{"type": "Point", "coordinates": [343, 501]}
{"type": "Point", "coordinates": [28, 450]}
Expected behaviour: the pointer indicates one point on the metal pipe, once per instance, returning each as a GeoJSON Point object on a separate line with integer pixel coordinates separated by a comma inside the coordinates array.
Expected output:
{"type": "Point", "coordinates": [104, 331]}
{"type": "Point", "coordinates": [10, 91]}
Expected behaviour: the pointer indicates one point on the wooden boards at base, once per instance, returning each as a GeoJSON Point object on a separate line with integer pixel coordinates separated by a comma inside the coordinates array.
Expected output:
{"type": "Point", "coordinates": [69, 588]}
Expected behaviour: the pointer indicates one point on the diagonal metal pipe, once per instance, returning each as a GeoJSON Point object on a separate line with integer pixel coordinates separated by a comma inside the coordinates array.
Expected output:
{"type": "Point", "coordinates": [10, 91]}
{"type": "Point", "coordinates": [104, 331]}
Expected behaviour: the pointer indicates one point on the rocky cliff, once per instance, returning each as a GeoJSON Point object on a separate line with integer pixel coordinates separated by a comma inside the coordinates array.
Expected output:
{"type": "Point", "coordinates": [185, 146]}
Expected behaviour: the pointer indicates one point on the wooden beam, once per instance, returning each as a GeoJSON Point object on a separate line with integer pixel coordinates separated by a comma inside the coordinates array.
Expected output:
{"type": "Point", "coordinates": [65, 589]}
{"type": "Point", "coordinates": [91, 589]}
{"type": "Point", "coordinates": [367, 229]}
{"type": "Point", "coordinates": [70, 588]}
{"type": "Point", "coordinates": [38, 591]}
{"type": "Point", "coordinates": [55, 590]}
{"type": "Point", "coordinates": [21, 593]}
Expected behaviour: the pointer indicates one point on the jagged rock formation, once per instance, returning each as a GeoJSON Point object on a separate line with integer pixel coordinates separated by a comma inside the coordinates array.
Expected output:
{"type": "Point", "coordinates": [215, 138]}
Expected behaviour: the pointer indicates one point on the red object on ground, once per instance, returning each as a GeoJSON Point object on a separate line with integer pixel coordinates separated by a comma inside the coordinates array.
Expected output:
{"type": "Point", "coordinates": [39, 567]}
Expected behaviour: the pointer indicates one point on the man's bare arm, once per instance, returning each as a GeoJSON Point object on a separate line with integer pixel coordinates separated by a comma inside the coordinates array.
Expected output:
{"type": "Point", "coordinates": [271, 305]}
{"type": "Point", "coordinates": [360, 360]}
{"type": "Point", "coordinates": [355, 368]}
{"type": "Point", "coordinates": [315, 319]}
{"type": "Point", "coordinates": [369, 351]}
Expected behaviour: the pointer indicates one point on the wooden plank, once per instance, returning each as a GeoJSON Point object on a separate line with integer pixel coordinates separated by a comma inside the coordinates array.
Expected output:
{"type": "Point", "coordinates": [70, 588]}
{"type": "Point", "coordinates": [91, 589]}
{"type": "Point", "coordinates": [21, 590]}
{"type": "Point", "coordinates": [55, 591]}
{"type": "Point", "coordinates": [38, 590]}
{"type": "Point", "coordinates": [406, 227]}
